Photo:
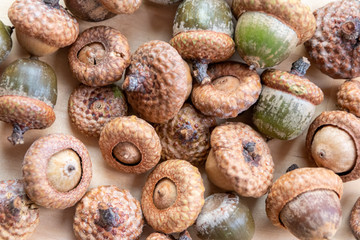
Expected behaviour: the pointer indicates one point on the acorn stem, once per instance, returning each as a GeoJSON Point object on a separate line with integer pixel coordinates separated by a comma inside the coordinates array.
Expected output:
{"type": "Point", "coordinates": [350, 29]}
{"type": "Point", "coordinates": [52, 3]}
{"type": "Point", "coordinates": [17, 134]}
{"type": "Point", "coordinates": [185, 235]}
{"type": "Point", "coordinates": [200, 72]}
{"type": "Point", "coordinates": [300, 66]}
{"type": "Point", "coordinates": [108, 217]}
{"type": "Point", "coordinates": [134, 83]}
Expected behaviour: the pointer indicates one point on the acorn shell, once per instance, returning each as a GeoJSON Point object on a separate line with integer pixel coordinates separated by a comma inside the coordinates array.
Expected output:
{"type": "Point", "coordinates": [354, 219]}
{"type": "Point", "coordinates": [348, 96]}
{"type": "Point", "coordinates": [346, 122]}
{"type": "Point", "coordinates": [121, 6]}
{"type": "Point", "coordinates": [157, 82]}
{"type": "Point", "coordinates": [18, 222]}
{"type": "Point", "coordinates": [132, 130]}
{"type": "Point", "coordinates": [111, 68]}
{"type": "Point", "coordinates": [34, 168]}
{"type": "Point", "coordinates": [126, 214]}
{"type": "Point", "coordinates": [5, 41]}
{"type": "Point", "coordinates": [296, 182]}
{"type": "Point", "coordinates": [90, 108]}
{"type": "Point", "coordinates": [243, 157]}
{"type": "Point", "coordinates": [227, 104]}
{"type": "Point", "coordinates": [88, 10]}
{"type": "Point", "coordinates": [189, 200]}
{"type": "Point", "coordinates": [158, 236]}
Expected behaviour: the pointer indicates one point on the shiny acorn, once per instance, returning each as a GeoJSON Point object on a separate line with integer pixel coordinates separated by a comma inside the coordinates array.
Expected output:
{"type": "Point", "coordinates": [5, 40]}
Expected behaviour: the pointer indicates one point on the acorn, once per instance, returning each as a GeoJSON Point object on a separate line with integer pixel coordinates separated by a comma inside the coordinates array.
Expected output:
{"type": "Point", "coordinates": [57, 171]}
{"type": "Point", "coordinates": [348, 96]}
{"type": "Point", "coordinates": [107, 212]}
{"type": "Point", "coordinates": [157, 82]}
{"type": "Point", "coordinates": [306, 201]}
{"type": "Point", "coordinates": [354, 219]}
{"type": "Point", "coordinates": [5, 41]}
{"type": "Point", "coordinates": [333, 142]}
{"type": "Point", "coordinates": [287, 102]}
{"type": "Point", "coordinates": [165, 2]}
{"type": "Point", "coordinates": [42, 26]}
{"type": "Point", "coordinates": [334, 46]}
{"type": "Point", "coordinates": [239, 160]}
{"type": "Point", "coordinates": [159, 236]}
{"type": "Point", "coordinates": [268, 31]}
{"type": "Point", "coordinates": [19, 216]}
{"type": "Point", "coordinates": [225, 216]}
{"type": "Point", "coordinates": [202, 33]}
{"type": "Point", "coordinates": [99, 56]}
{"type": "Point", "coordinates": [100, 10]}
{"type": "Point", "coordinates": [28, 93]}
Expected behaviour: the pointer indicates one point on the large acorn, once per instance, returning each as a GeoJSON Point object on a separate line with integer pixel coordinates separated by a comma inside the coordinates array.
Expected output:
{"type": "Point", "coordinates": [267, 31]}
{"type": "Point", "coordinates": [5, 41]}
{"type": "Point", "coordinates": [28, 92]}
{"type": "Point", "coordinates": [202, 32]}
{"type": "Point", "coordinates": [287, 102]}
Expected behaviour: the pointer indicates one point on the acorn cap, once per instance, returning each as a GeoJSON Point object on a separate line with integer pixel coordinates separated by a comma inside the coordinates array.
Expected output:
{"type": "Point", "coordinates": [346, 122]}
{"type": "Point", "coordinates": [250, 172]}
{"type": "Point", "coordinates": [121, 6]}
{"type": "Point", "coordinates": [34, 171]}
{"type": "Point", "coordinates": [189, 200]}
{"type": "Point", "coordinates": [355, 218]}
{"type": "Point", "coordinates": [186, 136]}
{"type": "Point", "coordinates": [132, 130]}
{"type": "Point", "coordinates": [19, 216]}
{"type": "Point", "coordinates": [107, 212]}
{"type": "Point", "coordinates": [348, 97]}
{"type": "Point", "coordinates": [293, 13]}
{"type": "Point", "coordinates": [90, 108]}
{"type": "Point", "coordinates": [334, 45]}
{"type": "Point", "coordinates": [228, 103]}
{"type": "Point", "coordinates": [51, 25]}
{"type": "Point", "coordinates": [158, 81]}
{"type": "Point", "coordinates": [158, 236]}
{"type": "Point", "coordinates": [296, 182]}
{"type": "Point", "coordinates": [111, 68]}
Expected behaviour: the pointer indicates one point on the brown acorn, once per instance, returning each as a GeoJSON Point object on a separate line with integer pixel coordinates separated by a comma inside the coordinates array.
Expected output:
{"type": "Point", "coordinates": [334, 46]}
{"type": "Point", "coordinates": [99, 56]}
{"type": "Point", "coordinates": [355, 219]}
{"type": "Point", "coordinates": [157, 82]}
{"type": "Point", "coordinates": [18, 214]}
{"type": "Point", "coordinates": [348, 96]}
{"type": "Point", "coordinates": [57, 171]}
{"type": "Point", "coordinates": [159, 236]}
{"type": "Point", "coordinates": [107, 212]}
{"type": "Point", "coordinates": [42, 26]}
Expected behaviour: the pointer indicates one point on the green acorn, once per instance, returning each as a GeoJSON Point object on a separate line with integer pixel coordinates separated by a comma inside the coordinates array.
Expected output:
{"type": "Point", "coordinates": [5, 41]}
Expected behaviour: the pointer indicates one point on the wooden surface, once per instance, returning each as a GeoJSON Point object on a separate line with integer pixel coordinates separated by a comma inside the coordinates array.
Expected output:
{"type": "Point", "coordinates": [152, 22]}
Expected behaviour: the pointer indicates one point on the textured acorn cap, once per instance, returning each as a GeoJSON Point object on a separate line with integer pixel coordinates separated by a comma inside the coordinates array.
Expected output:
{"type": "Point", "coordinates": [227, 104]}
{"type": "Point", "coordinates": [189, 200]}
{"type": "Point", "coordinates": [53, 26]}
{"type": "Point", "coordinates": [132, 130]}
{"type": "Point", "coordinates": [355, 219]}
{"type": "Point", "coordinates": [335, 55]}
{"type": "Point", "coordinates": [348, 96]}
{"type": "Point", "coordinates": [34, 170]}
{"type": "Point", "coordinates": [346, 122]}
{"type": "Point", "coordinates": [121, 6]}
{"type": "Point", "coordinates": [111, 68]}
{"type": "Point", "coordinates": [243, 157]}
{"type": "Point", "coordinates": [296, 182]}
{"type": "Point", "coordinates": [293, 13]}
{"type": "Point", "coordinates": [19, 216]}
{"type": "Point", "coordinates": [158, 236]}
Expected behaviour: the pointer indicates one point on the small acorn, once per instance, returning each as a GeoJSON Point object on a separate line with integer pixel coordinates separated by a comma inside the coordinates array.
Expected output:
{"type": "Point", "coordinates": [28, 93]}
{"type": "Point", "coordinates": [348, 96]}
{"type": "Point", "coordinates": [268, 31]}
{"type": "Point", "coordinates": [355, 219]}
{"type": "Point", "coordinates": [306, 201]}
{"type": "Point", "coordinates": [287, 102]}
{"type": "Point", "coordinates": [42, 26]}
{"type": "Point", "coordinates": [5, 41]}
{"type": "Point", "coordinates": [202, 32]}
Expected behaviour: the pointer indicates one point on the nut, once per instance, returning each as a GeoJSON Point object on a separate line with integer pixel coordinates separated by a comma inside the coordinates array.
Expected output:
{"type": "Point", "coordinates": [88, 10]}
{"type": "Point", "coordinates": [6, 41]}
{"type": "Point", "coordinates": [159, 236]}
{"type": "Point", "coordinates": [354, 219]}
{"type": "Point", "coordinates": [348, 96]}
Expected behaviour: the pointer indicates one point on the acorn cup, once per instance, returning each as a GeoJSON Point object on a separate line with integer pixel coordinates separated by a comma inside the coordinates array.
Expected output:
{"type": "Point", "coordinates": [28, 92]}
{"type": "Point", "coordinates": [267, 31]}
{"type": "Point", "coordinates": [202, 32]}
{"type": "Point", "coordinates": [5, 40]}
{"type": "Point", "coordinates": [287, 102]}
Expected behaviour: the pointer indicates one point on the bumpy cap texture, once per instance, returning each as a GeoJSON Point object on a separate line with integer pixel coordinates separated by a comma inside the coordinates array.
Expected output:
{"type": "Point", "coordinates": [121, 6]}
{"type": "Point", "coordinates": [348, 96]}
{"type": "Point", "coordinates": [50, 25]}
{"type": "Point", "coordinates": [296, 182]}
{"type": "Point", "coordinates": [126, 216]}
{"type": "Point", "coordinates": [158, 236]}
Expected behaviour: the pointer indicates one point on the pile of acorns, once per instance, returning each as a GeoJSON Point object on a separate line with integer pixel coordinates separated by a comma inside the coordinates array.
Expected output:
{"type": "Point", "coordinates": [159, 78]}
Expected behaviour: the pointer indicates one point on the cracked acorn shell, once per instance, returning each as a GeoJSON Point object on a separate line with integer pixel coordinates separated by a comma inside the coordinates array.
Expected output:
{"type": "Point", "coordinates": [28, 93]}
{"type": "Point", "coordinates": [99, 56]}
{"type": "Point", "coordinates": [173, 196]}
{"type": "Point", "coordinates": [233, 88]}
{"type": "Point", "coordinates": [306, 201]}
{"type": "Point", "coordinates": [5, 41]}
{"type": "Point", "coordinates": [42, 26]}
{"type": "Point", "coordinates": [90, 108]}
{"type": "Point", "coordinates": [186, 136]}
{"type": "Point", "coordinates": [250, 174]}
{"type": "Point", "coordinates": [354, 219]}
{"type": "Point", "coordinates": [326, 153]}
{"type": "Point", "coordinates": [107, 212]}
{"type": "Point", "coordinates": [130, 144]}
{"type": "Point", "coordinates": [348, 96]}
{"type": "Point", "coordinates": [57, 171]}
{"type": "Point", "coordinates": [157, 82]}
{"type": "Point", "coordinates": [287, 102]}
{"type": "Point", "coordinates": [334, 47]}
{"type": "Point", "coordinates": [283, 23]}
{"type": "Point", "coordinates": [18, 215]}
